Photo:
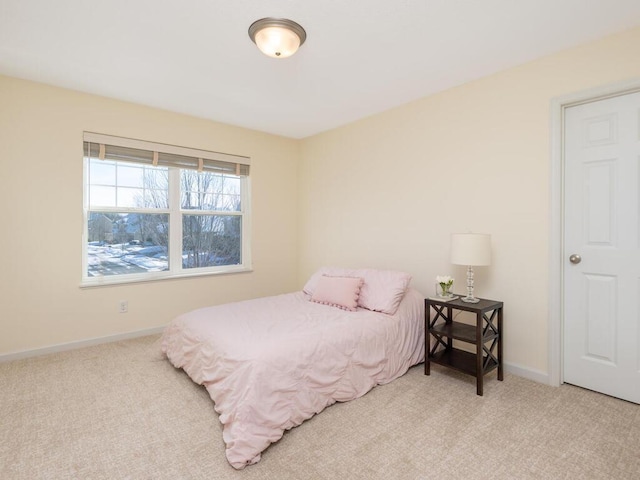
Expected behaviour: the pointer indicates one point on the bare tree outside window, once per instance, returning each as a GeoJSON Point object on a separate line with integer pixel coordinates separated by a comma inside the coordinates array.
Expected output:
{"type": "Point", "coordinates": [136, 240]}
{"type": "Point", "coordinates": [213, 238]}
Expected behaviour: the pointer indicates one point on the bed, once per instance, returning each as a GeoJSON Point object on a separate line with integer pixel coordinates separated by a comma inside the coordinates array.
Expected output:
{"type": "Point", "coordinates": [271, 363]}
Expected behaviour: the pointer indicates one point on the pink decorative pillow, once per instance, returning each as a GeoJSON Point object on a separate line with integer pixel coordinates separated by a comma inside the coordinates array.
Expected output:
{"type": "Point", "coordinates": [312, 283]}
{"type": "Point", "coordinates": [341, 292]}
{"type": "Point", "coordinates": [382, 290]}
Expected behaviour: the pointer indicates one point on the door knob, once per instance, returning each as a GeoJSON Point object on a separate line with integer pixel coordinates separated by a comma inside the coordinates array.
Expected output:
{"type": "Point", "coordinates": [575, 258]}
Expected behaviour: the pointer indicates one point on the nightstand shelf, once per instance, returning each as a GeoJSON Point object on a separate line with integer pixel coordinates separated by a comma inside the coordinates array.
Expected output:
{"type": "Point", "coordinates": [486, 335]}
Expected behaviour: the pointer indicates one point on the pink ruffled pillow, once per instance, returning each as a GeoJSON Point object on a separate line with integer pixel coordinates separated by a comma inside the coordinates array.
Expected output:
{"type": "Point", "coordinates": [341, 292]}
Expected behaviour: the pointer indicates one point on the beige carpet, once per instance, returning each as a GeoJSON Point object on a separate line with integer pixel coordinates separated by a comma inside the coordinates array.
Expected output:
{"type": "Point", "coordinates": [121, 411]}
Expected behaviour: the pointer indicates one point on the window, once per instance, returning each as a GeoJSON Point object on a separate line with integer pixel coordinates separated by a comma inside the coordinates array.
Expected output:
{"type": "Point", "coordinates": [159, 211]}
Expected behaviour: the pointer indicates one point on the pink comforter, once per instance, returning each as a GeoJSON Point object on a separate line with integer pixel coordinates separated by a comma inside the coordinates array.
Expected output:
{"type": "Point", "coordinates": [271, 363]}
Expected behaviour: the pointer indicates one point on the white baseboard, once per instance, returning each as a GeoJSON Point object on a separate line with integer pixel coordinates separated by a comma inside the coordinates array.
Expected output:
{"type": "Point", "coordinates": [62, 347]}
{"type": "Point", "coordinates": [519, 370]}
{"type": "Point", "coordinates": [526, 372]}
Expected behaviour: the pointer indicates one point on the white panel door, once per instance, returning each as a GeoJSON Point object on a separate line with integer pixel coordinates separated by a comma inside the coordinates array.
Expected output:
{"type": "Point", "coordinates": [601, 222]}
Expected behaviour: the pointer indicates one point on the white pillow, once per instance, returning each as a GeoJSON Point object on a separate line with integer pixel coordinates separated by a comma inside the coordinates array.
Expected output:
{"type": "Point", "coordinates": [341, 292]}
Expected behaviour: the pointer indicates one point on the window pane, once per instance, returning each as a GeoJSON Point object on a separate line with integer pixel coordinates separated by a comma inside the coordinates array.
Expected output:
{"type": "Point", "coordinates": [156, 178]}
{"type": "Point", "coordinates": [102, 172]}
{"type": "Point", "coordinates": [154, 198]}
{"type": "Point", "coordinates": [122, 243]}
{"type": "Point", "coordinates": [130, 197]}
{"type": "Point", "coordinates": [209, 191]}
{"type": "Point", "coordinates": [231, 185]}
{"type": "Point", "coordinates": [102, 196]}
{"type": "Point", "coordinates": [229, 203]}
{"type": "Point", "coordinates": [156, 187]}
{"type": "Point", "coordinates": [230, 198]}
{"type": "Point", "coordinates": [211, 240]}
{"type": "Point", "coordinates": [120, 184]}
{"type": "Point", "coordinates": [130, 176]}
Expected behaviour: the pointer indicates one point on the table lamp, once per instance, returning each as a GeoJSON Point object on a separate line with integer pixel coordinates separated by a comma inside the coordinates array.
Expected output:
{"type": "Point", "coordinates": [472, 250]}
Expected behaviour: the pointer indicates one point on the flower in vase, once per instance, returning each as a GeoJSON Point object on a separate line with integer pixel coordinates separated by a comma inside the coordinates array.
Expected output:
{"type": "Point", "coordinates": [445, 282]}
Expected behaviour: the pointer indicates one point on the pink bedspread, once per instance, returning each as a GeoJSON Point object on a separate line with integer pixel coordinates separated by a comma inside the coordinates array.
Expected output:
{"type": "Point", "coordinates": [271, 363]}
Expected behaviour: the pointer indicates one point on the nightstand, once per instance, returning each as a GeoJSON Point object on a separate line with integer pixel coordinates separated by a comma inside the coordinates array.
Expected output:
{"type": "Point", "coordinates": [485, 335]}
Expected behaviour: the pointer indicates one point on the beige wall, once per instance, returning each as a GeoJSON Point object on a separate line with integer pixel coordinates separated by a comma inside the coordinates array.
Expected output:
{"type": "Point", "coordinates": [389, 190]}
{"type": "Point", "coordinates": [383, 192]}
{"type": "Point", "coordinates": [41, 196]}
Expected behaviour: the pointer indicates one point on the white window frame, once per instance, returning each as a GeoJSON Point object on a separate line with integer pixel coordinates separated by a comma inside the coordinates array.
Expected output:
{"type": "Point", "coordinates": [175, 213]}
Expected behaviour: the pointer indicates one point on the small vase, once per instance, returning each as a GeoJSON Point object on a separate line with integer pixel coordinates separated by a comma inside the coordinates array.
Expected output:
{"type": "Point", "coordinates": [443, 291]}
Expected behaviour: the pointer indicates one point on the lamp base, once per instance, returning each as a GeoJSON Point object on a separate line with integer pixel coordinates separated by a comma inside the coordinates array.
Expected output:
{"type": "Point", "coordinates": [470, 299]}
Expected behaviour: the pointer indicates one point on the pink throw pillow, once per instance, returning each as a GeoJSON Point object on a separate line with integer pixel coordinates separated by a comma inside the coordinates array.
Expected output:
{"type": "Point", "coordinates": [341, 292]}
{"type": "Point", "coordinates": [381, 291]}
{"type": "Point", "coordinates": [312, 283]}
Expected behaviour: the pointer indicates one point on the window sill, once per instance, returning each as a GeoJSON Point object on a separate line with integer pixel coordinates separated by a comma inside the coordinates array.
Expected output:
{"type": "Point", "coordinates": [107, 281]}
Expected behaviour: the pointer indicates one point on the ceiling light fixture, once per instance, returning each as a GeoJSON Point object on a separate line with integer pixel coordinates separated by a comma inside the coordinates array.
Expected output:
{"type": "Point", "coordinates": [277, 37]}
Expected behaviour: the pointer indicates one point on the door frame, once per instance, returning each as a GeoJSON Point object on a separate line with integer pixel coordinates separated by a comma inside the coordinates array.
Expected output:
{"type": "Point", "coordinates": [556, 202]}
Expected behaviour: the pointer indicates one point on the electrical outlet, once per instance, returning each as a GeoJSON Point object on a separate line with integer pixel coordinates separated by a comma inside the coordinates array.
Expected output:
{"type": "Point", "coordinates": [124, 306]}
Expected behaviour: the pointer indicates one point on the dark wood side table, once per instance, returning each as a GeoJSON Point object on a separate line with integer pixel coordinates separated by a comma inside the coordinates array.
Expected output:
{"type": "Point", "coordinates": [486, 335]}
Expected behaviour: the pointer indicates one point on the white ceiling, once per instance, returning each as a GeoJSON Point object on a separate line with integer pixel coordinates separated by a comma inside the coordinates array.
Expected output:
{"type": "Point", "coordinates": [361, 56]}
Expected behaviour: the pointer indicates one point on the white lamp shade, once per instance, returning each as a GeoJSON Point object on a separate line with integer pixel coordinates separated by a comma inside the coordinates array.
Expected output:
{"type": "Point", "coordinates": [277, 42]}
{"type": "Point", "coordinates": [471, 249]}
